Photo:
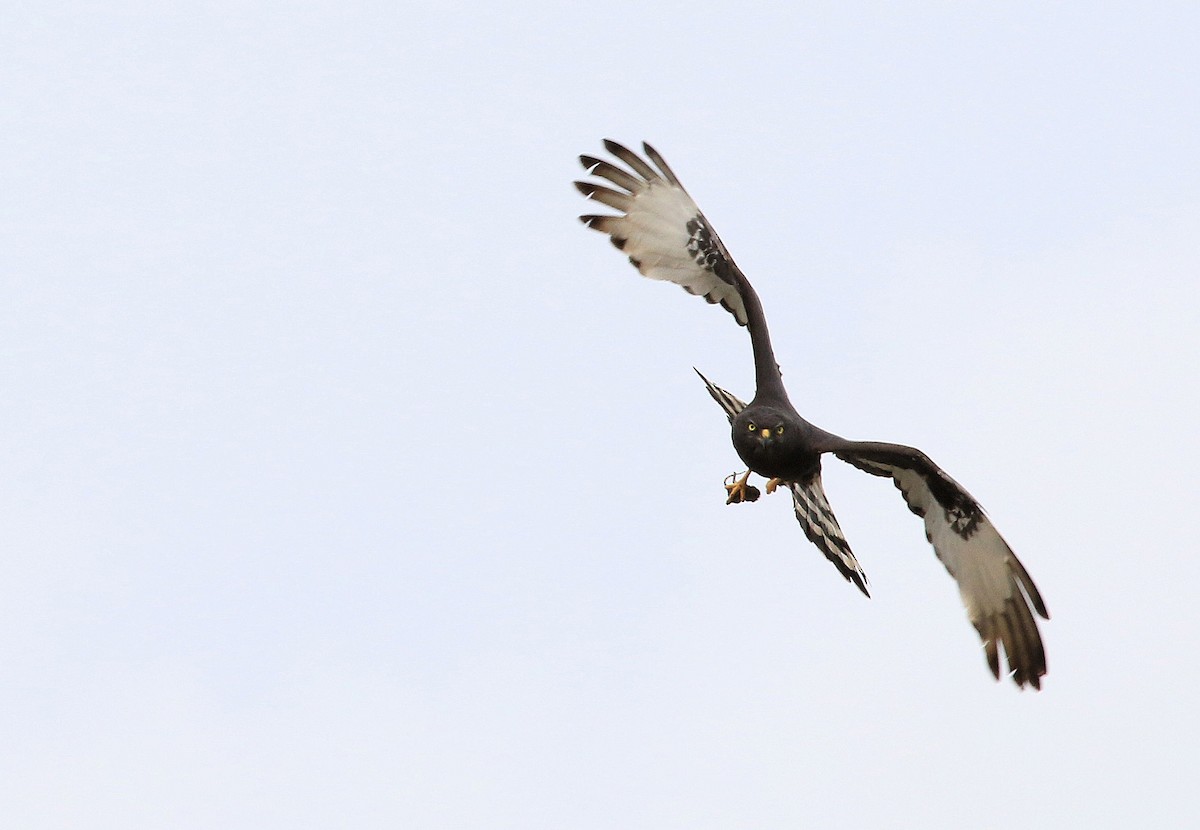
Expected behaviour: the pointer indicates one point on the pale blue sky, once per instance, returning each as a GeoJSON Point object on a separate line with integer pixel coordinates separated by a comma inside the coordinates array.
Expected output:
{"type": "Point", "coordinates": [350, 482]}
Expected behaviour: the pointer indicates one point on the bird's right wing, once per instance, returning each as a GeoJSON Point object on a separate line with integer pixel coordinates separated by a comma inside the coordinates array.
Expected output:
{"type": "Point", "coordinates": [812, 508]}
{"type": "Point", "coordinates": [995, 587]}
{"type": "Point", "coordinates": [660, 228]}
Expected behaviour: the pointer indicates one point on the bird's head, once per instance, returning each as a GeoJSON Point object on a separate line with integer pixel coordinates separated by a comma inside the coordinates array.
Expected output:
{"type": "Point", "coordinates": [764, 437]}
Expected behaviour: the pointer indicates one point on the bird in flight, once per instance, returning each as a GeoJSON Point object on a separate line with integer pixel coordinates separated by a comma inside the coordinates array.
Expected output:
{"type": "Point", "coordinates": [666, 237]}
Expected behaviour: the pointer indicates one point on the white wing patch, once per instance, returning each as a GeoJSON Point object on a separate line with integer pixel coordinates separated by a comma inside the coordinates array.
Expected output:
{"type": "Point", "coordinates": [660, 228]}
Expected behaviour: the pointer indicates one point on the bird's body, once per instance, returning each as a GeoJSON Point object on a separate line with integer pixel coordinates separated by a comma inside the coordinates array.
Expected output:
{"type": "Point", "coordinates": [667, 237]}
{"type": "Point", "coordinates": [777, 443]}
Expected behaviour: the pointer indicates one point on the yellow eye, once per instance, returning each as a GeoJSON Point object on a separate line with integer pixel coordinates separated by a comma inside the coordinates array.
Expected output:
{"type": "Point", "coordinates": [750, 426]}
{"type": "Point", "coordinates": [779, 430]}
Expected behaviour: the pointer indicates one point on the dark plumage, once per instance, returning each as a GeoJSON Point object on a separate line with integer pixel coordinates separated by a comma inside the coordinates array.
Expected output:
{"type": "Point", "coordinates": [666, 237]}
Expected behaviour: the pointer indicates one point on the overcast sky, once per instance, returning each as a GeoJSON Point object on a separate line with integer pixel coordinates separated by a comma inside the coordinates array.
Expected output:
{"type": "Point", "coordinates": [348, 481]}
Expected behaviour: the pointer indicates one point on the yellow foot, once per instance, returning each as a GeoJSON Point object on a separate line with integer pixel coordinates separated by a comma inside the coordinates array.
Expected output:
{"type": "Point", "coordinates": [775, 483]}
{"type": "Point", "coordinates": [738, 490]}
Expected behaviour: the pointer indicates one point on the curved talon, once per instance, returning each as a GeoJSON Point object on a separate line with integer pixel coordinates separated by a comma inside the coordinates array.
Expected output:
{"type": "Point", "coordinates": [738, 490]}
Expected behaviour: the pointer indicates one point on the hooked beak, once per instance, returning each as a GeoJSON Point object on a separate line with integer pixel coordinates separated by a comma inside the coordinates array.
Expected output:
{"type": "Point", "coordinates": [765, 432]}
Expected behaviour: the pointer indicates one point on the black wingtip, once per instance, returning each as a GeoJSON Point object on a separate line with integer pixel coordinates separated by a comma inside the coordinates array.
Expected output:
{"type": "Point", "coordinates": [593, 219]}
{"type": "Point", "coordinates": [614, 147]}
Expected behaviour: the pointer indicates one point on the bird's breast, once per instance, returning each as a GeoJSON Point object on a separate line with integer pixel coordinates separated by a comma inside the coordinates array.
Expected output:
{"type": "Point", "coordinates": [776, 459]}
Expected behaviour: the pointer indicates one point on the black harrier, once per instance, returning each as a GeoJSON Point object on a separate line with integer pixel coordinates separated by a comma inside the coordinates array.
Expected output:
{"type": "Point", "coordinates": [666, 237]}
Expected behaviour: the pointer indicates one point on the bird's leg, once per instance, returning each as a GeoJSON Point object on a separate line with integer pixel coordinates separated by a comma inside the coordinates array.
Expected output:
{"type": "Point", "coordinates": [775, 483]}
{"type": "Point", "coordinates": [738, 490]}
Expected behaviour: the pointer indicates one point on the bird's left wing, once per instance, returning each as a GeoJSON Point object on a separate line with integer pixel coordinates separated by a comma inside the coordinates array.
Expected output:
{"type": "Point", "coordinates": [809, 502]}
{"type": "Point", "coordinates": [660, 228]}
{"type": "Point", "coordinates": [997, 590]}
